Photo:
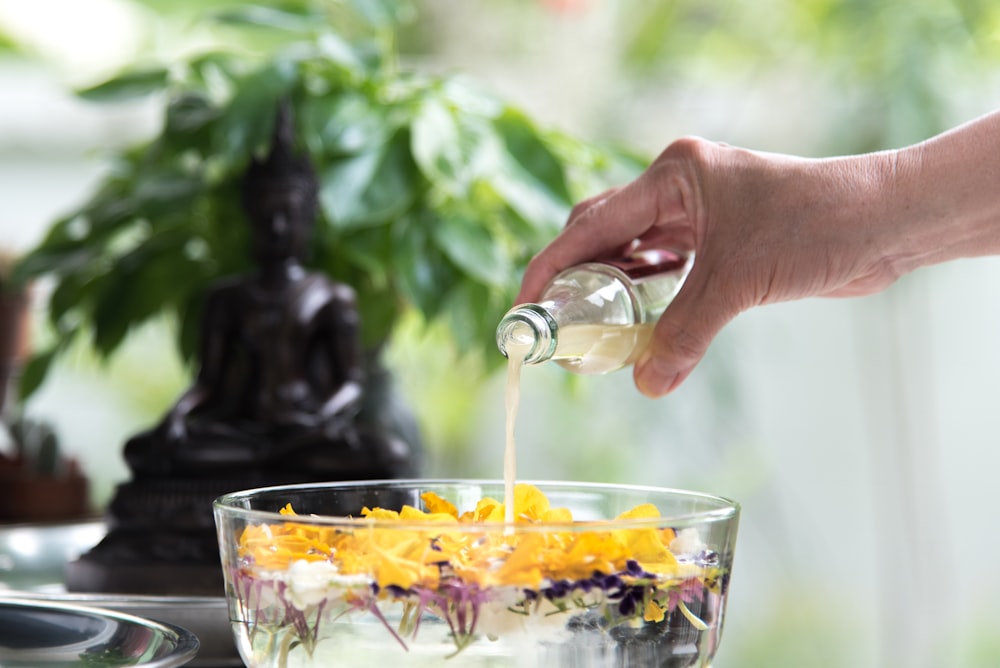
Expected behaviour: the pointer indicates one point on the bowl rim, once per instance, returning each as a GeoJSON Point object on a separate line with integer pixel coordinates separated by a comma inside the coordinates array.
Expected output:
{"type": "Point", "coordinates": [185, 644]}
{"type": "Point", "coordinates": [727, 509]}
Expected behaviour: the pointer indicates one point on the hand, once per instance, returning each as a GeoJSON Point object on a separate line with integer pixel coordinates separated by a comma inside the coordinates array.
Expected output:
{"type": "Point", "coordinates": [764, 228]}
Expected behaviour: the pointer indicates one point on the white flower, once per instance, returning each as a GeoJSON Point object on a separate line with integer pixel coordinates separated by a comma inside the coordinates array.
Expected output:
{"type": "Point", "coordinates": [310, 582]}
{"type": "Point", "coordinates": [497, 619]}
{"type": "Point", "coordinates": [687, 541]}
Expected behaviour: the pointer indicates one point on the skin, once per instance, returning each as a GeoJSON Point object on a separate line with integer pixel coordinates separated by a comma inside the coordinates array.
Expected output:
{"type": "Point", "coordinates": [767, 228]}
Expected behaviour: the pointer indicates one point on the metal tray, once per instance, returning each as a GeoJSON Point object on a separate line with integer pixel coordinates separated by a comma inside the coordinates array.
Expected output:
{"type": "Point", "coordinates": [33, 561]}
{"type": "Point", "coordinates": [51, 634]}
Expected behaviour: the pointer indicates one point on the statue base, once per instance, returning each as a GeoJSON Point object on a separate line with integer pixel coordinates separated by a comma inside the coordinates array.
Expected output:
{"type": "Point", "coordinates": [161, 539]}
{"type": "Point", "coordinates": [90, 573]}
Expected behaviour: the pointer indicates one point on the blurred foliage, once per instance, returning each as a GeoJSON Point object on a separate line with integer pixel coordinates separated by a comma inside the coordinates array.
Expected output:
{"type": "Point", "coordinates": [36, 450]}
{"type": "Point", "coordinates": [433, 193]}
{"type": "Point", "coordinates": [799, 625]}
{"type": "Point", "coordinates": [8, 261]}
{"type": "Point", "coordinates": [894, 55]}
{"type": "Point", "coordinates": [976, 645]}
{"type": "Point", "coordinates": [7, 44]}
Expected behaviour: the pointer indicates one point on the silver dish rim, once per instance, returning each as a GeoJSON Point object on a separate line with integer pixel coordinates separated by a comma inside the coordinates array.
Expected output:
{"type": "Point", "coordinates": [186, 643]}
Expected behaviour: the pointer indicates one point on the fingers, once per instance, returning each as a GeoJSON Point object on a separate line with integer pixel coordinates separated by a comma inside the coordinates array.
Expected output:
{"type": "Point", "coordinates": [596, 227]}
{"type": "Point", "coordinates": [682, 335]}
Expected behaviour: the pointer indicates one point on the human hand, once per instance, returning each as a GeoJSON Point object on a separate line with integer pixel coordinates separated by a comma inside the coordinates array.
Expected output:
{"type": "Point", "coordinates": [764, 228]}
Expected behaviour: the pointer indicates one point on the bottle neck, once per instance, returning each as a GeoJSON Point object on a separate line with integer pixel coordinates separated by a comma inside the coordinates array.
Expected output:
{"type": "Point", "coordinates": [528, 332]}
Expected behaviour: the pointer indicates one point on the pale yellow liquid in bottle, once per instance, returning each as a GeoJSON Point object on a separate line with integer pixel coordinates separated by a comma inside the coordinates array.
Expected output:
{"type": "Point", "coordinates": [596, 349]}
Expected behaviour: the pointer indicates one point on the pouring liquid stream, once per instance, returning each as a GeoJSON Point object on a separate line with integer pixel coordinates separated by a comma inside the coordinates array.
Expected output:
{"type": "Point", "coordinates": [587, 348]}
{"type": "Point", "coordinates": [516, 352]}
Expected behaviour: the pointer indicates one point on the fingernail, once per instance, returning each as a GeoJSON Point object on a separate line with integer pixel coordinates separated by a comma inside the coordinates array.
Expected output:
{"type": "Point", "coordinates": [653, 375]}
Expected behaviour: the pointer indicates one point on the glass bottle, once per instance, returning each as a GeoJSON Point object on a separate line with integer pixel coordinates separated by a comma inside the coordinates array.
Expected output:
{"type": "Point", "coordinates": [595, 317]}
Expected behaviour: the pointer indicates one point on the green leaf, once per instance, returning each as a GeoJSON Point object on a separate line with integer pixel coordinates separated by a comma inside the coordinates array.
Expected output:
{"type": "Point", "coordinates": [165, 188]}
{"type": "Point", "coordinates": [525, 144]}
{"type": "Point", "coordinates": [189, 333]}
{"type": "Point", "coordinates": [214, 74]}
{"type": "Point", "coordinates": [342, 123]}
{"type": "Point", "coordinates": [531, 179]}
{"type": "Point", "coordinates": [302, 21]}
{"type": "Point", "coordinates": [470, 246]}
{"type": "Point", "coordinates": [435, 143]}
{"type": "Point", "coordinates": [516, 238]}
{"type": "Point", "coordinates": [370, 188]}
{"type": "Point", "coordinates": [245, 127]}
{"type": "Point", "coordinates": [423, 273]}
{"type": "Point", "coordinates": [363, 259]}
{"type": "Point", "coordinates": [70, 293]}
{"type": "Point", "coordinates": [452, 150]}
{"type": "Point", "coordinates": [142, 283]}
{"type": "Point", "coordinates": [384, 13]}
{"type": "Point", "coordinates": [473, 311]}
{"type": "Point", "coordinates": [127, 86]}
{"type": "Point", "coordinates": [35, 371]}
{"type": "Point", "coordinates": [189, 112]}
{"type": "Point", "coordinates": [380, 310]}
{"type": "Point", "coordinates": [367, 252]}
{"type": "Point", "coordinates": [468, 98]}
{"type": "Point", "coordinates": [532, 201]}
{"type": "Point", "coordinates": [347, 57]}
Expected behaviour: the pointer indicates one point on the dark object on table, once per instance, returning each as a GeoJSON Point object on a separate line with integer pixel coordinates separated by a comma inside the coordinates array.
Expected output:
{"type": "Point", "coordinates": [38, 481]}
{"type": "Point", "coordinates": [284, 394]}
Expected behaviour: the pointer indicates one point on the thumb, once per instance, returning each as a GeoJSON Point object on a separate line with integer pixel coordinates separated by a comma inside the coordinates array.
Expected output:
{"type": "Point", "coordinates": [681, 336]}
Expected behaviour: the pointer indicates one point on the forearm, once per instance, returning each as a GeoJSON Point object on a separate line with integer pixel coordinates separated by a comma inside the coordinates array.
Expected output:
{"type": "Point", "coordinates": [851, 225]}
{"type": "Point", "coordinates": [946, 197]}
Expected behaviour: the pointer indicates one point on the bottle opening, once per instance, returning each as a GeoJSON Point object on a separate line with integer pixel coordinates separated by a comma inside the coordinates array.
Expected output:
{"type": "Point", "coordinates": [519, 340]}
{"type": "Point", "coordinates": [527, 332]}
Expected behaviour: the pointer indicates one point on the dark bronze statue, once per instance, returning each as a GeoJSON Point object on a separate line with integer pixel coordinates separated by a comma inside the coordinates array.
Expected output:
{"type": "Point", "coordinates": [282, 395]}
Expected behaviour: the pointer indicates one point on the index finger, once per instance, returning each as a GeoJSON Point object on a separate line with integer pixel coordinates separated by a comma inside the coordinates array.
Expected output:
{"type": "Point", "coordinates": [607, 224]}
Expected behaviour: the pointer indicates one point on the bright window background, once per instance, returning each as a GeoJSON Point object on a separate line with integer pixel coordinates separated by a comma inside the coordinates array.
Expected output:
{"type": "Point", "coordinates": [861, 436]}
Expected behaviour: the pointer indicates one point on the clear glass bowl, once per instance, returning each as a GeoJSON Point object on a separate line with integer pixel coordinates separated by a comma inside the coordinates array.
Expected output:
{"type": "Point", "coordinates": [427, 573]}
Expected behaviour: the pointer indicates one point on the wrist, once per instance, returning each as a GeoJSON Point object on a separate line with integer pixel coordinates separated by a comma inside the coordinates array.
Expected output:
{"type": "Point", "coordinates": [944, 196]}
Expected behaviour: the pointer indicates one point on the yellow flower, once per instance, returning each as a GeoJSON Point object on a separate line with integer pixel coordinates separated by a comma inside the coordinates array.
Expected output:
{"type": "Point", "coordinates": [414, 554]}
{"type": "Point", "coordinates": [436, 504]}
{"type": "Point", "coordinates": [646, 545]}
{"type": "Point", "coordinates": [529, 503]}
{"type": "Point", "coordinates": [653, 612]}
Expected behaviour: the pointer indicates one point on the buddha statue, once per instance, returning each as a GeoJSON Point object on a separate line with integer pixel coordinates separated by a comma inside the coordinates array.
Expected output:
{"type": "Point", "coordinates": [282, 395]}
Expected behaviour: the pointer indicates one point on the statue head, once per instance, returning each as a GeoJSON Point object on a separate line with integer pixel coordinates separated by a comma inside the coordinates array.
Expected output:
{"type": "Point", "coordinates": [280, 194]}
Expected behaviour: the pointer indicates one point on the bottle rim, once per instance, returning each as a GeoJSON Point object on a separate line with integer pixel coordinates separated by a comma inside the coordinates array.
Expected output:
{"type": "Point", "coordinates": [541, 324]}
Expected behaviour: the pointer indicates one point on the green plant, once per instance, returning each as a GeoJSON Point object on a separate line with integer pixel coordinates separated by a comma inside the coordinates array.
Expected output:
{"type": "Point", "coordinates": [38, 482]}
{"type": "Point", "coordinates": [433, 193]}
{"type": "Point", "coordinates": [14, 313]}
{"type": "Point", "coordinates": [8, 261]}
{"type": "Point", "coordinates": [35, 446]}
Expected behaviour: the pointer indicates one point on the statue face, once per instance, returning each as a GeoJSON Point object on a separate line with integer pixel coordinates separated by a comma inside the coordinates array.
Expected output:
{"type": "Point", "coordinates": [281, 223]}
